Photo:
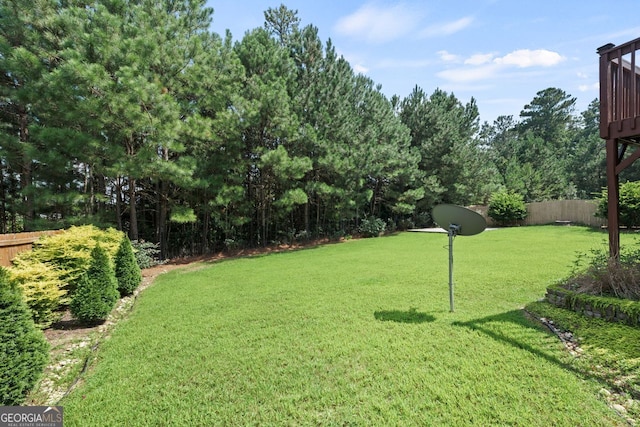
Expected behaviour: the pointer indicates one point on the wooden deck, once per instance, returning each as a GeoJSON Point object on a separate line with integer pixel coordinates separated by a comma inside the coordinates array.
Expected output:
{"type": "Point", "coordinates": [619, 121]}
{"type": "Point", "coordinates": [620, 91]}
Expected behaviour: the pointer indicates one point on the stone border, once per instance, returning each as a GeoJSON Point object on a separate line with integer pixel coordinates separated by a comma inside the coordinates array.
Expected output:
{"type": "Point", "coordinates": [584, 304]}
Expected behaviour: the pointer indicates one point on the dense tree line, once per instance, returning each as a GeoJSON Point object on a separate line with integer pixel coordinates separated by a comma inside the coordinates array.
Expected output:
{"type": "Point", "coordinates": [132, 113]}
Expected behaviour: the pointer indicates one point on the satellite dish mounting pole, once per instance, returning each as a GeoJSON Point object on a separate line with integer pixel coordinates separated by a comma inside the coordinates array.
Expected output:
{"type": "Point", "coordinates": [462, 222]}
{"type": "Point", "coordinates": [453, 230]}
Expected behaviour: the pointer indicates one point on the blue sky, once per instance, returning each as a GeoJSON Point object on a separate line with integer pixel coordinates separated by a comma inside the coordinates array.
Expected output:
{"type": "Point", "coordinates": [500, 52]}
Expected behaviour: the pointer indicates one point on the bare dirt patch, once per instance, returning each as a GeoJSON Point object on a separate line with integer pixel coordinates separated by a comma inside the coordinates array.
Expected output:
{"type": "Point", "coordinates": [69, 329]}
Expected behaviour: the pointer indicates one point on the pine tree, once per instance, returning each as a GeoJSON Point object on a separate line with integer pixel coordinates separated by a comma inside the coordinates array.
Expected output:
{"type": "Point", "coordinates": [127, 270]}
{"type": "Point", "coordinates": [23, 348]}
{"type": "Point", "coordinates": [444, 131]}
{"type": "Point", "coordinates": [270, 135]}
{"type": "Point", "coordinates": [26, 54]}
{"type": "Point", "coordinates": [97, 290]}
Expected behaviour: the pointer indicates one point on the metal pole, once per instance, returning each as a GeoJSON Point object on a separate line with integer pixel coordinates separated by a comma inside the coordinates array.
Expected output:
{"type": "Point", "coordinates": [451, 233]}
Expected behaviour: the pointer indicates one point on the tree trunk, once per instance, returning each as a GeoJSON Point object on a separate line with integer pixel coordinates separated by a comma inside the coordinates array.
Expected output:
{"type": "Point", "coordinates": [118, 188]}
{"type": "Point", "coordinates": [25, 172]}
{"type": "Point", "coordinates": [133, 214]}
{"type": "Point", "coordinates": [205, 228]}
{"type": "Point", "coordinates": [3, 202]}
{"type": "Point", "coordinates": [306, 217]}
{"type": "Point", "coordinates": [163, 210]}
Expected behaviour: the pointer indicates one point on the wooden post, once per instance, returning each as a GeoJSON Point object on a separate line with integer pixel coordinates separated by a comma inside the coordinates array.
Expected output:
{"type": "Point", "coordinates": [613, 206]}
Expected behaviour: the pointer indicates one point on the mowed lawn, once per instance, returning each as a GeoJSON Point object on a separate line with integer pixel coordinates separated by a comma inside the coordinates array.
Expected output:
{"type": "Point", "coordinates": [355, 333]}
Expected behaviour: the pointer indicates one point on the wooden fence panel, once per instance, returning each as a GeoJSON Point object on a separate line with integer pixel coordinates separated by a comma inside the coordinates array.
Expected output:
{"type": "Point", "coordinates": [556, 211]}
{"type": "Point", "coordinates": [12, 244]}
{"type": "Point", "coordinates": [573, 211]}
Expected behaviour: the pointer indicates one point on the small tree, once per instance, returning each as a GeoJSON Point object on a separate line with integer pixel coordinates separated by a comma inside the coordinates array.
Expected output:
{"type": "Point", "coordinates": [507, 208]}
{"type": "Point", "coordinates": [23, 348]}
{"type": "Point", "coordinates": [127, 270]}
{"type": "Point", "coordinates": [97, 290]}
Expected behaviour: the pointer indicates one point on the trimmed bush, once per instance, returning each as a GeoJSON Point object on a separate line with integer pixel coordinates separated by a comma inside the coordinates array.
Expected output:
{"type": "Point", "coordinates": [70, 252]}
{"type": "Point", "coordinates": [629, 210]}
{"type": "Point", "coordinates": [23, 348]}
{"type": "Point", "coordinates": [372, 227]}
{"type": "Point", "coordinates": [127, 270]}
{"type": "Point", "coordinates": [146, 253]}
{"type": "Point", "coordinates": [41, 287]}
{"type": "Point", "coordinates": [507, 208]}
{"type": "Point", "coordinates": [48, 273]}
{"type": "Point", "coordinates": [97, 290]}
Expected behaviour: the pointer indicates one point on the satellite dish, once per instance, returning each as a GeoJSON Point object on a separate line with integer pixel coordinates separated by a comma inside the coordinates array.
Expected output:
{"type": "Point", "coordinates": [457, 221]}
{"type": "Point", "coordinates": [467, 222]}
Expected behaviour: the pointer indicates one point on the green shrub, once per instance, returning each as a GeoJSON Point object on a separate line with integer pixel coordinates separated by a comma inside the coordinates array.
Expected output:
{"type": "Point", "coordinates": [629, 209]}
{"type": "Point", "coordinates": [23, 348]}
{"type": "Point", "coordinates": [372, 227]}
{"type": "Point", "coordinates": [147, 253]}
{"type": "Point", "coordinates": [48, 273]}
{"type": "Point", "coordinates": [70, 252]}
{"type": "Point", "coordinates": [507, 208]}
{"type": "Point", "coordinates": [127, 270]}
{"type": "Point", "coordinates": [97, 290]}
{"type": "Point", "coordinates": [41, 286]}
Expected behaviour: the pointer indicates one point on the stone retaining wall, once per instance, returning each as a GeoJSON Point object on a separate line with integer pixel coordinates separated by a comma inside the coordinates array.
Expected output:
{"type": "Point", "coordinates": [572, 301]}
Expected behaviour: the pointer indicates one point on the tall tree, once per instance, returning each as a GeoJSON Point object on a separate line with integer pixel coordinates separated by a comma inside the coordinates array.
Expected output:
{"type": "Point", "coordinates": [445, 132]}
{"type": "Point", "coordinates": [283, 23]}
{"type": "Point", "coordinates": [26, 54]}
{"type": "Point", "coordinates": [270, 134]}
{"type": "Point", "coordinates": [550, 116]}
{"type": "Point", "coordinates": [211, 89]}
{"type": "Point", "coordinates": [546, 131]}
{"type": "Point", "coordinates": [129, 67]}
{"type": "Point", "coordinates": [587, 162]}
{"type": "Point", "coordinates": [500, 142]}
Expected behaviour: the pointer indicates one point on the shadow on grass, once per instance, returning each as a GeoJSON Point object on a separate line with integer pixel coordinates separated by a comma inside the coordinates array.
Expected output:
{"type": "Point", "coordinates": [408, 316]}
{"type": "Point", "coordinates": [491, 326]}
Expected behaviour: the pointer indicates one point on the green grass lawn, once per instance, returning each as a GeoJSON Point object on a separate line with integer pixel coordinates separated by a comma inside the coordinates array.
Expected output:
{"type": "Point", "coordinates": [356, 333]}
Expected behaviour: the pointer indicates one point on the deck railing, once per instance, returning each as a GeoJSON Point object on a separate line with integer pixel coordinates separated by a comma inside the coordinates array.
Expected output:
{"type": "Point", "coordinates": [620, 90]}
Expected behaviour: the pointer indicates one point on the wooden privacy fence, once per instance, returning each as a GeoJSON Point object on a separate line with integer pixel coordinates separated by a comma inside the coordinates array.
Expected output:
{"type": "Point", "coordinates": [12, 244]}
{"type": "Point", "coordinates": [556, 212]}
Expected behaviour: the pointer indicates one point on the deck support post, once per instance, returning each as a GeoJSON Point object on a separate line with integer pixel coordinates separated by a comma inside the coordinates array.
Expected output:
{"type": "Point", "coordinates": [613, 197]}
{"type": "Point", "coordinates": [619, 123]}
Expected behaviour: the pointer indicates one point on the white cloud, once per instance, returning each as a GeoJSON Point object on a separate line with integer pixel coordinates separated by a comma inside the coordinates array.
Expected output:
{"type": "Point", "coordinates": [378, 24]}
{"type": "Point", "coordinates": [447, 28]}
{"type": "Point", "coordinates": [589, 88]}
{"type": "Point", "coordinates": [487, 66]}
{"type": "Point", "coordinates": [469, 74]}
{"type": "Point", "coordinates": [502, 101]}
{"type": "Point", "coordinates": [404, 63]}
{"type": "Point", "coordinates": [448, 57]}
{"type": "Point", "coordinates": [525, 58]}
{"type": "Point", "coordinates": [479, 59]}
{"type": "Point", "coordinates": [360, 69]}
